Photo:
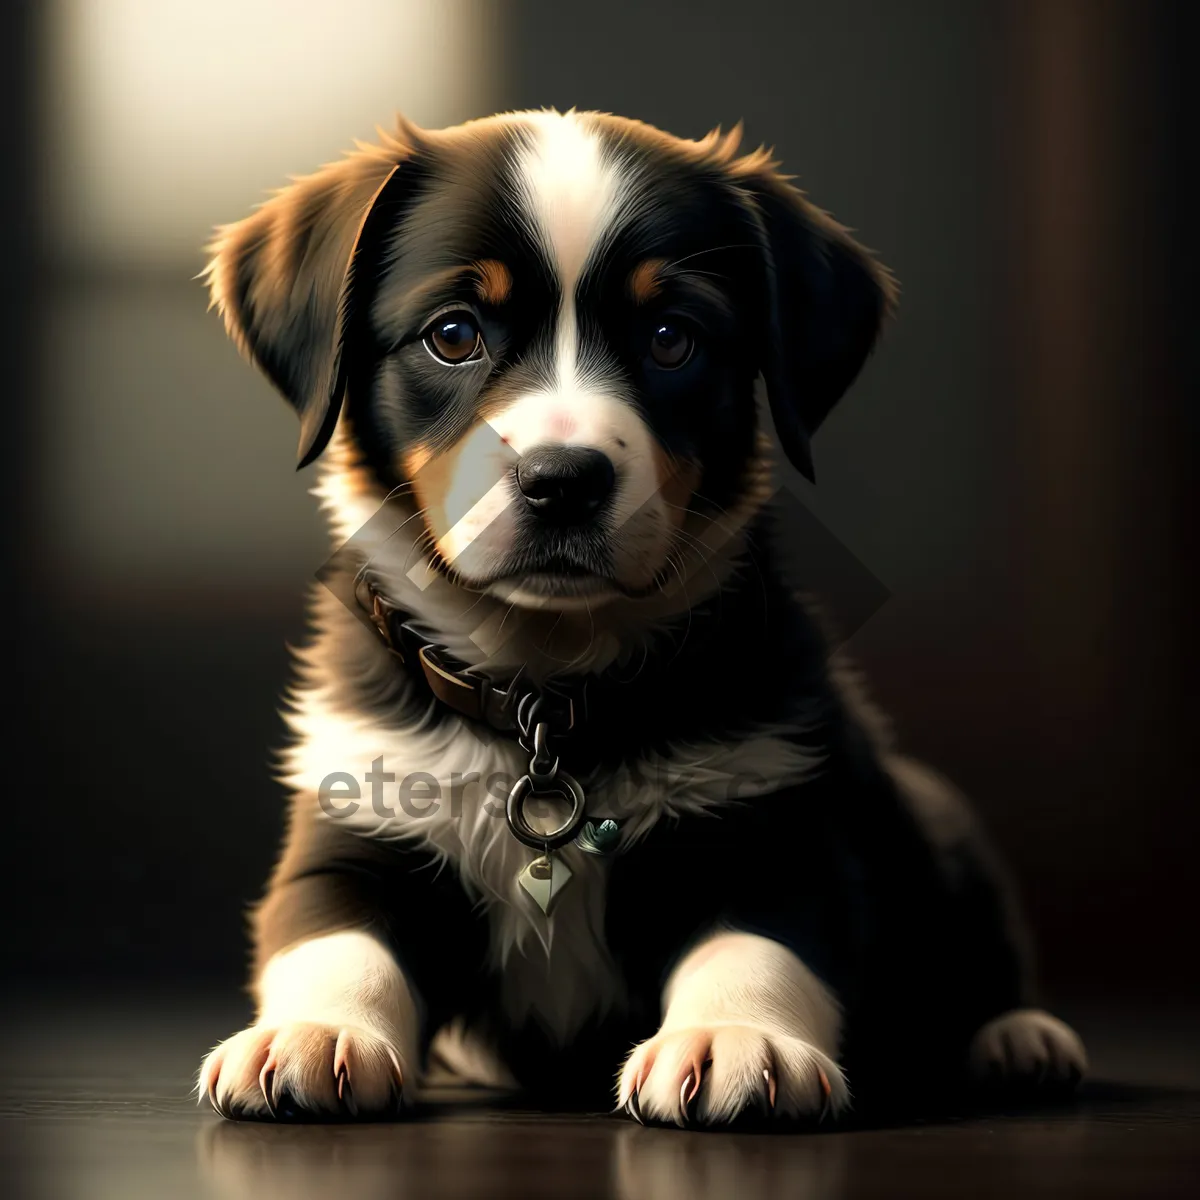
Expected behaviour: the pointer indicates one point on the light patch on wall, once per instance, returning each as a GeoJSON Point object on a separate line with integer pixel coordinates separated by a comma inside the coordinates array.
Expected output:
{"type": "Point", "coordinates": [163, 118]}
{"type": "Point", "coordinates": [166, 462]}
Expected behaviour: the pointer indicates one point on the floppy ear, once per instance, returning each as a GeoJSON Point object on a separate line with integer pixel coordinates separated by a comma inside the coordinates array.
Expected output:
{"type": "Point", "coordinates": [284, 278]}
{"type": "Point", "coordinates": [827, 299]}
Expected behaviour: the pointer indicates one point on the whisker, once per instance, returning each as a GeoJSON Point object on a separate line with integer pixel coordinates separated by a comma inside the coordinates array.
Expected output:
{"type": "Point", "coordinates": [371, 558]}
{"type": "Point", "coordinates": [714, 250]}
{"type": "Point", "coordinates": [687, 628]}
{"type": "Point", "coordinates": [690, 543]}
{"type": "Point", "coordinates": [508, 613]}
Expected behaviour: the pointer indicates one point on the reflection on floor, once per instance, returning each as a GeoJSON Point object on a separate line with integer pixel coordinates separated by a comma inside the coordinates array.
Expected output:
{"type": "Point", "coordinates": [95, 1106]}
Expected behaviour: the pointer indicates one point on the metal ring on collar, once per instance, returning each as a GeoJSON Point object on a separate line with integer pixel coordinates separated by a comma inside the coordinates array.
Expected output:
{"type": "Point", "coordinates": [565, 786]}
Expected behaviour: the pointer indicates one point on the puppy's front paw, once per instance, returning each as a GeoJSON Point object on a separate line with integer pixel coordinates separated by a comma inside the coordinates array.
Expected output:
{"type": "Point", "coordinates": [711, 1076]}
{"type": "Point", "coordinates": [303, 1071]}
{"type": "Point", "coordinates": [1028, 1047]}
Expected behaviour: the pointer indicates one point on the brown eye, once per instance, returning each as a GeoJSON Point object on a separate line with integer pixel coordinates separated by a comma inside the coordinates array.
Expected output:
{"type": "Point", "coordinates": [670, 345]}
{"type": "Point", "coordinates": [454, 338]}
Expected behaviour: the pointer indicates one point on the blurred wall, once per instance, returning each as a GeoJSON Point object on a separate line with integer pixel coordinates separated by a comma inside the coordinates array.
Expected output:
{"type": "Point", "coordinates": [169, 464]}
{"type": "Point", "coordinates": [1015, 465]}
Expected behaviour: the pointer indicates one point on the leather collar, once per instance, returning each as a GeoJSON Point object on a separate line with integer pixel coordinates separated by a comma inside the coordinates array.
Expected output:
{"type": "Point", "coordinates": [511, 708]}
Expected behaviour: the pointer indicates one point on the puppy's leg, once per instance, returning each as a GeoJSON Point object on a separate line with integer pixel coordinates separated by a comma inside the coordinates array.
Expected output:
{"type": "Point", "coordinates": [1014, 1043]}
{"type": "Point", "coordinates": [337, 1030]}
{"type": "Point", "coordinates": [336, 1034]}
{"type": "Point", "coordinates": [747, 1026]}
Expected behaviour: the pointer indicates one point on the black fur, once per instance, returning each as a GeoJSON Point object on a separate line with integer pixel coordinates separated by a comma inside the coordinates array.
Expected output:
{"type": "Point", "coordinates": [917, 936]}
{"type": "Point", "coordinates": [911, 928]}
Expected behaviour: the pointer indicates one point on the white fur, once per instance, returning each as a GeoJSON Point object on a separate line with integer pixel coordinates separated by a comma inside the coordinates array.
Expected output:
{"type": "Point", "coordinates": [556, 969]}
{"type": "Point", "coordinates": [577, 412]}
{"type": "Point", "coordinates": [573, 198]}
{"type": "Point", "coordinates": [574, 201]}
{"type": "Point", "coordinates": [746, 1024]}
{"type": "Point", "coordinates": [488, 633]}
{"type": "Point", "coordinates": [459, 1055]}
{"type": "Point", "coordinates": [477, 843]}
{"type": "Point", "coordinates": [342, 977]}
{"type": "Point", "coordinates": [571, 194]}
{"type": "Point", "coordinates": [335, 1001]}
{"type": "Point", "coordinates": [486, 630]}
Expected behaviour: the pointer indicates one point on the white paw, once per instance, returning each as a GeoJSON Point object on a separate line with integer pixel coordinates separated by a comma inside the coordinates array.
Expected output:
{"type": "Point", "coordinates": [709, 1076]}
{"type": "Point", "coordinates": [303, 1070]}
{"type": "Point", "coordinates": [1028, 1046]}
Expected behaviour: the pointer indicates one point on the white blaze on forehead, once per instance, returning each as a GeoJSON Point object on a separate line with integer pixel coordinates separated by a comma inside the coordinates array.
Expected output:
{"type": "Point", "coordinates": [571, 191]}
{"type": "Point", "coordinates": [573, 194]}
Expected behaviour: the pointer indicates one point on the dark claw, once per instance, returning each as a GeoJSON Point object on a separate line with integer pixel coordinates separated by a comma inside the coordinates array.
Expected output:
{"type": "Point", "coordinates": [346, 1092]}
{"type": "Point", "coordinates": [768, 1093]}
{"type": "Point", "coordinates": [634, 1108]}
{"type": "Point", "coordinates": [764, 1097]}
{"type": "Point", "coordinates": [684, 1098]}
{"type": "Point", "coordinates": [770, 1088]}
{"type": "Point", "coordinates": [827, 1104]}
{"type": "Point", "coordinates": [398, 1081]}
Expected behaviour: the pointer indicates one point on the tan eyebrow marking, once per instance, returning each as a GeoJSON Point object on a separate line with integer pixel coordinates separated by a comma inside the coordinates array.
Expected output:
{"type": "Point", "coordinates": [494, 281]}
{"type": "Point", "coordinates": [645, 282]}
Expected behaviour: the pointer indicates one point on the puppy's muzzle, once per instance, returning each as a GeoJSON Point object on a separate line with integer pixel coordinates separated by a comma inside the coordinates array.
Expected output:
{"type": "Point", "coordinates": [565, 485]}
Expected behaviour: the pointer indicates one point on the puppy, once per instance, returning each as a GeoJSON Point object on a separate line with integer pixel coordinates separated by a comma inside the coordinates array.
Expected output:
{"type": "Point", "coordinates": [580, 805]}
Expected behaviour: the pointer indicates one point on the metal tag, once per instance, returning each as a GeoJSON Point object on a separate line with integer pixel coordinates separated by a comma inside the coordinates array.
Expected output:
{"type": "Point", "coordinates": [544, 878]}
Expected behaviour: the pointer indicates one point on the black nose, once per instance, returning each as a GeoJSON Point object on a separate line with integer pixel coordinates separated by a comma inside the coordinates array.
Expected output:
{"type": "Point", "coordinates": [565, 484]}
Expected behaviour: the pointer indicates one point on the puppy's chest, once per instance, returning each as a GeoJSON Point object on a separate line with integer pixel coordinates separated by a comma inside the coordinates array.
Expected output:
{"type": "Point", "coordinates": [444, 787]}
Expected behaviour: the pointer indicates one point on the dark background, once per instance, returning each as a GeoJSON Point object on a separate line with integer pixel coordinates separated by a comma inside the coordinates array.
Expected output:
{"type": "Point", "coordinates": [1017, 466]}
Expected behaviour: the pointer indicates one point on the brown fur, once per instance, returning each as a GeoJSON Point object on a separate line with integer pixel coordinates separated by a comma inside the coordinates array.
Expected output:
{"type": "Point", "coordinates": [644, 282]}
{"type": "Point", "coordinates": [495, 281]}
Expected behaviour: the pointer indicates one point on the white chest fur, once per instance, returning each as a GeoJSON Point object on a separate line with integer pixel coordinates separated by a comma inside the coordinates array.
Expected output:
{"type": "Point", "coordinates": [442, 783]}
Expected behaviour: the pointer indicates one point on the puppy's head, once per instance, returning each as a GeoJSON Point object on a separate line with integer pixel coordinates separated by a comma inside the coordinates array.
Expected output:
{"type": "Point", "coordinates": [547, 328]}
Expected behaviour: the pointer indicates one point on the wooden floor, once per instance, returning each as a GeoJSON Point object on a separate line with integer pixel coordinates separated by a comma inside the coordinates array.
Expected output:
{"type": "Point", "coordinates": [94, 1104]}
